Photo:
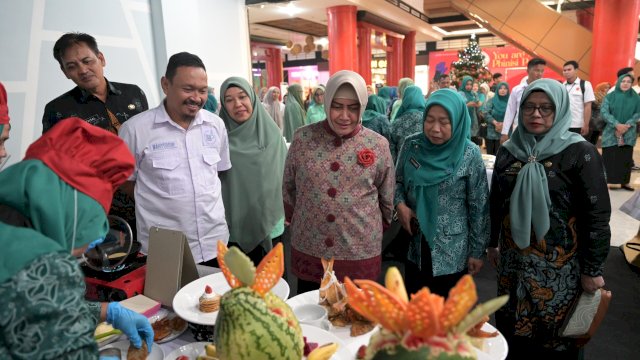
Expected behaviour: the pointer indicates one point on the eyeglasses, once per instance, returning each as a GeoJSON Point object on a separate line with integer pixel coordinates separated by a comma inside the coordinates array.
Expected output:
{"type": "Point", "coordinates": [545, 110]}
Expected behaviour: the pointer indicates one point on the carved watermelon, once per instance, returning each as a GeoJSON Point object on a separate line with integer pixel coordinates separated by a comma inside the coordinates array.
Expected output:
{"type": "Point", "coordinates": [252, 322]}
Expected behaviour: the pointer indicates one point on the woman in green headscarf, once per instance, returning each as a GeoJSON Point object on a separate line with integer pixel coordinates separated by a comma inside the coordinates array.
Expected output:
{"type": "Point", "coordinates": [374, 117]}
{"type": "Point", "coordinates": [252, 188]}
{"type": "Point", "coordinates": [386, 94]}
{"type": "Point", "coordinates": [212, 103]}
{"type": "Point", "coordinates": [53, 206]}
{"type": "Point", "coordinates": [441, 197]}
{"type": "Point", "coordinates": [316, 113]}
{"type": "Point", "coordinates": [473, 103]}
{"type": "Point", "coordinates": [294, 114]}
{"type": "Point", "coordinates": [550, 215]}
{"type": "Point", "coordinates": [493, 112]}
{"type": "Point", "coordinates": [409, 120]}
{"type": "Point", "coordinates": [402, 86]}
{"type": "Point", "coordinates": [621, 111]}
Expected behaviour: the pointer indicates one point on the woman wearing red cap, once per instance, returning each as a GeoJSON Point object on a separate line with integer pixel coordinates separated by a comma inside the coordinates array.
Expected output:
{"type": "Point", "coordinates": [53, 204]}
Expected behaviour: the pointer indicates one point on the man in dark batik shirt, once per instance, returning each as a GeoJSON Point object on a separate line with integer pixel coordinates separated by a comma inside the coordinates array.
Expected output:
{"type": "Point", "coordinates": [95, 99]}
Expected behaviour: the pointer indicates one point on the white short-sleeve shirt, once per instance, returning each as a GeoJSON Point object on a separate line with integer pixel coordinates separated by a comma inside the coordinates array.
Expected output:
{"type": "Point", "coordinates": [577, 102]}
{"type": "Point", "coordinates": [513, 108]}
{"type": "Point", "coordinates": [177, 185]}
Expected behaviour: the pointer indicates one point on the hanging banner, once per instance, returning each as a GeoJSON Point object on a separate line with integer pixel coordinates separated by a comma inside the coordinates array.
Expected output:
{"type": "Point", "coordinates": [510, 61]}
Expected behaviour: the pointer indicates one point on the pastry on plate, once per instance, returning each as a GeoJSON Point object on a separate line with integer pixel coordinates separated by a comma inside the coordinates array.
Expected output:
{"type": "Point", "coordinates": [209, 300]}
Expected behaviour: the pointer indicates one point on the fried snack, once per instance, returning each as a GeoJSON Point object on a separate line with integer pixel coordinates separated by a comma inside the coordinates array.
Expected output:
{"type": "Point", "coordinates": [334, 298]}
{"type": "Point", "coordinates": [137, 354]}
{"type": "Point", "coordinates": [177, 323]}
{"type": "Point", "coordinates": [476, 330]}
{"type": "Point", "coordinates": [361, 327]}
{"type": "Point", "coordinates": [161, 329]}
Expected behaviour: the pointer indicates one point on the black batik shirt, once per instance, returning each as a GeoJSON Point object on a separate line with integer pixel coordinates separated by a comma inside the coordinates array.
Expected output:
{"type": "Point", "coordinates": [123, 100]}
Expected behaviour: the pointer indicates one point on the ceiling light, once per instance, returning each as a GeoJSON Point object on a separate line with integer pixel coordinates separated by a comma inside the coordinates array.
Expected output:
{"type": "Point", "coordinates": [290, 9]}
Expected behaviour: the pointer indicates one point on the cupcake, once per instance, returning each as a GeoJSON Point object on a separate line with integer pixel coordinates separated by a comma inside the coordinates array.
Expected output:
{"type": "Point", "coordinates": [209, 301]}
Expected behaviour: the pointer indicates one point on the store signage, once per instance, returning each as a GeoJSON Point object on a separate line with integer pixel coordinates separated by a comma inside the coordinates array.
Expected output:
{"type": "Point", "coordinates": [509, 61]}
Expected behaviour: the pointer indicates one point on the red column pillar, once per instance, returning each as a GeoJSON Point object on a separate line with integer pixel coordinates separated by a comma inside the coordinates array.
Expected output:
{"type": "Point", "coordinates": [341, 28]}
{"type": "Point", "coordinates": [364, 53]}
{"type": "Point", "coordinates": [274, 67]}
{"type": "Point", "coordinates": [394, 60]}
{"type": "Point", "coordinates": [409, 55]}
{"type": "Point", "coordinates": [615, 29]}
{"type": "Point", "coordinates": [585, 18]}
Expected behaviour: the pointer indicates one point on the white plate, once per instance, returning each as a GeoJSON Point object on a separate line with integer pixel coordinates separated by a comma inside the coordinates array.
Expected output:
{"type": "Point", "coordinates": [161, 314]}
{"type": "Point", "coordinates": [320, 336]}
{"type": "Point", "coordinates": [156, 351]}
{"type": "Point", "coordinates": [343, 333]}
{"type": "Point", "coordinates": [495, 348]}
{"type": "Point", "coordinates": [192, 350]}
{"type": "Point", "coordinates": [186, 301]}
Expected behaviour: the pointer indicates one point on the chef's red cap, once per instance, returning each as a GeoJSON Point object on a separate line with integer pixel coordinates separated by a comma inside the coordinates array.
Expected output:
{"type": "Point", "coordinates": [90, 159]}
{"type": "Point", "coordinates": [4, 108]}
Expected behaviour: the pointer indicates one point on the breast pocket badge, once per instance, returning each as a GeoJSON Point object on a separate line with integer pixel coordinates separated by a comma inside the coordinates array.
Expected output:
{"type": "Point", "coordinates": [208, 137]}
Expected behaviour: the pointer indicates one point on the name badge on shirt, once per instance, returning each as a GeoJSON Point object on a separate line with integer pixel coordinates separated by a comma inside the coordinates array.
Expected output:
{"type": "Point", "coordinates": [164, 145]}
{"type": "Point", "coordinates": [415, 163]}
{"type": "Point", "coordinates": [208, 137]}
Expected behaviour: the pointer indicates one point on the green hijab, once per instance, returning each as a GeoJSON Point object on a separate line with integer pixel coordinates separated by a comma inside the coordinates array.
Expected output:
{"type": "Point", "coordinates": [530, 199]}
{"type": "Point", "coordinates": [35, 191]}
{"type": "Point", "coordinates": [437, 162]}
{"type": "Point", "coordinates": [403, 84]}
{"type": "Point", "coordinates": [412, 101]}
{"type": "Point", "coordinates": [385, 94]}
{"type": "Point", "coordinates": [252, 188]}
{"type": "Point", "coordinates": [376, 107]}
{"type": "Point", "coordinates": [212, 104]}
{"type": "Point", "coordinates": [471, 96]}
{"type": "Point", "coordinates": [316, 113]}
{"type": "Point", "coordinates": [294, 115]}
{"type": "Point", "coordinates": [623, 104]}
{"type": "Point", "coordinates": [500, 103]}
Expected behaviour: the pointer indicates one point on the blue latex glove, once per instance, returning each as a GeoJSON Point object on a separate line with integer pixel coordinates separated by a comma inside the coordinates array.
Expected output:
{"type": "Point", "coordinates": [109, 358]}
{"type": "Point", "coordinates": [95, 243]}
{"type": "Point", "coordinates": [132, 324]}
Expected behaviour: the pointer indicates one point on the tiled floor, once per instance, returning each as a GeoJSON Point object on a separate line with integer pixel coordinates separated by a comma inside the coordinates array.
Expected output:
{"type": "Point", "coordinates": [623, 226]}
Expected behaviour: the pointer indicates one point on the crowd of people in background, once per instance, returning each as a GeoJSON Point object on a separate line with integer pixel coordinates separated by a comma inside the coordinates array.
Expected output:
{"type": "Point", "coordinates": [337, 170]}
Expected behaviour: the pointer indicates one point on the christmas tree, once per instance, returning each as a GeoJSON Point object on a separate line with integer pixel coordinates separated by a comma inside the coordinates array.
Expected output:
{"type": "Point", "coordinates": [470, 63]}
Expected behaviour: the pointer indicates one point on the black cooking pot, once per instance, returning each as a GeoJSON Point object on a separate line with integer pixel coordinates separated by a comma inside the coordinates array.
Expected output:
{"type": "Point", "coordinates": [117, 249]}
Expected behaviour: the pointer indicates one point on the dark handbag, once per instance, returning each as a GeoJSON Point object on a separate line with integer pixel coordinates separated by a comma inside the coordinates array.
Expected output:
{"type": "Point", "coordinates": [586, 315]}
{"type": "Point", "coordinates": [596, 122]}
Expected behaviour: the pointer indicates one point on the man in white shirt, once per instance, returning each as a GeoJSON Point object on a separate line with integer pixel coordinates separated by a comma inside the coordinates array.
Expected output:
{"type": "Point", "coordinates": [535, 69]}
{"type": "Point", "coordinates": [580, 97]}
{"type": "Point", "coordinates": [179, 149]}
